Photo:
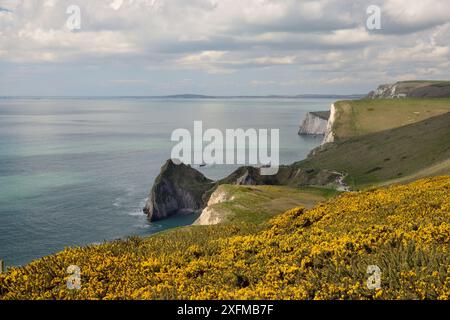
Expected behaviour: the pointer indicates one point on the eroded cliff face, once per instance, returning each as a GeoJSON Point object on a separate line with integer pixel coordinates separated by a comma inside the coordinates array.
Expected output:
{"type": "Point", "coordinates": [329, 135]}
{"type": "Point", "coordinates": [315, 123]}
{"type": "Point", "coordinates": [211, 215]}
{"type": "Point", "coordinates": [182, 189]}
{"type": "Point", "coordinates": [387, 91]}
{"type": "Point", "coordinates": [412, 89]}
{"type": "Point", "coordinates": [177, 189]}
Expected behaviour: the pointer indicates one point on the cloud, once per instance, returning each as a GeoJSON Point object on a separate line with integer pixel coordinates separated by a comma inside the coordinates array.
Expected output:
{"type": "Point", "coordinates": [404, 16]}
{"type": "Point", "coordinates": [297, 42]}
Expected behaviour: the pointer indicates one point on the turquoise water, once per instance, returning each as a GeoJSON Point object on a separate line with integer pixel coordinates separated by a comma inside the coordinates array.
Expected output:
{"type": "Point", "coordinates": [78, 171]}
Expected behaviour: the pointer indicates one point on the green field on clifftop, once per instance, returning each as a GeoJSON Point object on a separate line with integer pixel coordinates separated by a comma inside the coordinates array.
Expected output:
{"type": "Point", "coordinates": [361, 117]}
{"type": "Point", "coordinates": [256, 204]}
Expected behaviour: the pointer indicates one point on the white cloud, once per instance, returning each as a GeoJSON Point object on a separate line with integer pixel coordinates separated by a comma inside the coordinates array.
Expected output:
{"type": "Point", "coordinates": [300, 41]}
{"type": "Point", "coordinates": [418, 13]}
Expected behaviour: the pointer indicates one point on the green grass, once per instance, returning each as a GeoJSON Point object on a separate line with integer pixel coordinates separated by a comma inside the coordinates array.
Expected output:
{"type": "Point", "coordinates": [257, 204]}
{"type": "Point", "coordinates": [439, 83]}
{"type": "Point", "coordinates": [361, 117]}
{"type": "Point", "coordinates": [394, 155]}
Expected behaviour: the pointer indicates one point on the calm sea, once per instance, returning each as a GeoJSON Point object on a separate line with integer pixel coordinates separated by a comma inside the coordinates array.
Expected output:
{"type": "Point", "coordinates": [78, 171]}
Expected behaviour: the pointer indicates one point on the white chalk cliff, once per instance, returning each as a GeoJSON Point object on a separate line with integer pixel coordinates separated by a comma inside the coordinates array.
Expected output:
{"type": "Point", "coordinates": [329, 135]}
{"type": "Point", "coordinates": [315, 123]}
{"type": "Point", "coordinates": [210, 215]}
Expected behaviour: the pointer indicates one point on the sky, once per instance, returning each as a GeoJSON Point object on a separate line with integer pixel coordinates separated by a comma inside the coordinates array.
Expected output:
{"type": "Point", "coordinates": [219, 47]}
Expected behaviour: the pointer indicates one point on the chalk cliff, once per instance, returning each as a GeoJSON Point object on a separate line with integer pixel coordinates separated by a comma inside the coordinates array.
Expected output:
{"type": "Point", "coordinates": [412, 89]}
{"type": "Point", "coordinates": [315, 123]}
{"type": "Point", "coordinates": [210, 215]}
{"type": "Point", "coordinates": [329, 135]}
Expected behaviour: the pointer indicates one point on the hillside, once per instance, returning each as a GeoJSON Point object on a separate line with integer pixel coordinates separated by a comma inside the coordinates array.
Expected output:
{"type": "Point", "coordinates": [323, 253]}
{"type": "Point", "coordinates": [402, 154]}
{"type": "Point", "coordinates": [412, 89]}
{"type": "Point", "coordinates": [359, 117]}
{"type": "Point", "coordinates": [256, 204]}
{"type": "Point", "coordinates": [377, 142]}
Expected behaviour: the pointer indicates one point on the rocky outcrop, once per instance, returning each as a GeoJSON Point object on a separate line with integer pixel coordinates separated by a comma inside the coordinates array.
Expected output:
{"type": "Point", "coordinates": [178, 189]}
{"type": "Point", "coordinates": [412, 89]}
{"type": "Point", "coordinates": [210, 215]}
{"type": "Point", "coordinates": [329, 135]}
{"type": "Point", "coordinates": [386, 91]}
{"type": "Point", "coordinates": [315, 123]}
{"type": "Point", "coordinates": [245, 176]}
{"type": "Point", "coordinates": [182, 189]}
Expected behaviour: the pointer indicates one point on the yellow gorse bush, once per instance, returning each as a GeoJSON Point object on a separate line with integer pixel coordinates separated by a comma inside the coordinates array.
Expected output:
{"type": "Point", "coordinates": [322, 253]}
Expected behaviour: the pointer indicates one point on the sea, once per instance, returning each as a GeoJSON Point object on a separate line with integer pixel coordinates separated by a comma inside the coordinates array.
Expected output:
{"type": "Point", "coordinates": [77, 171]}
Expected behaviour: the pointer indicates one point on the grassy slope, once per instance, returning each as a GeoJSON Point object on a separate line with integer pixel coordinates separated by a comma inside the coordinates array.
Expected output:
{"type": "Point", "coordinates": [319, 254]}
{"type": "Point", "coordinates": [360, 117]}
{"type": "Point", "coordinates": [400, 153]}
{"type": "Point", "coordinates": [255, 204]}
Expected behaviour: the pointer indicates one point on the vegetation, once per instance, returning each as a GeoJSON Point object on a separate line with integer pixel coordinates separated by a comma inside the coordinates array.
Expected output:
{"type": "Point", "coordinates": [400, 154]}
{"type": "Point", "coordinates": [256, 204]}
{"type": "Point", "coordinates": [321, 249]}
{"type": "Point", "coordinates": [322, 253]}
{"type": "Point", "coordinates": [360, 117]}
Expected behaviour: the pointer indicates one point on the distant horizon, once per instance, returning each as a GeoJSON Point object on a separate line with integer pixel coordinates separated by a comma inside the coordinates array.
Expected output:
{"type": "Point", "coordinates": [190, 96]}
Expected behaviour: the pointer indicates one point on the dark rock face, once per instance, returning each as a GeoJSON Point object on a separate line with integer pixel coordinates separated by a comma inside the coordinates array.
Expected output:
{"type": "Point", "coordinates": [182, 189]}
{"type": "Point", "coordinates": [244, 176]}
{"type": "Point", "coordinates": [177, 189]}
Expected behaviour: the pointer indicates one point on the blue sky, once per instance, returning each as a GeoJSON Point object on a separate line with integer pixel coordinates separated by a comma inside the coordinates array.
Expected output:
{"type": "Point", "coordinates": [218, 47]}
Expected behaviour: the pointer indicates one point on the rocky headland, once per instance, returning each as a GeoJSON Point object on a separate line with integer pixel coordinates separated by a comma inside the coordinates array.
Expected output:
{"type": "Point", "coordinates": [412, 89]}
{"type": "Point", "coordinates": [178, 189]}
{"type": "Point", "coordinates": [181, 189]}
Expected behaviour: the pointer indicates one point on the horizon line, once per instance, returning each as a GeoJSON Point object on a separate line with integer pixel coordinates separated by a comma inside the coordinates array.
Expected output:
{"type": "Point", "coordinates": [187, 96]}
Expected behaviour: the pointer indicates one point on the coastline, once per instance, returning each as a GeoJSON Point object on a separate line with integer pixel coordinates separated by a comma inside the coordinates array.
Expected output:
{"type": "Point", "coordinates": [64, 201]}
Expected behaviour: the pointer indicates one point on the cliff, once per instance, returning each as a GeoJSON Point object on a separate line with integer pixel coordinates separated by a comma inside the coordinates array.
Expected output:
{"type": "Point", "coordinates": [211, 215]}
{"type": "Point", "coordinates": [329, 134]}
{"type": "Point", "coordinates": [256, 204]}
{"type": "Point", "coordinates": [315, 123]}
{"type": "Point", "coordinates": [177, 189]}
{"type": "Point", "coordinates": [182, 189]}
{"type": "Point", "coordinates": [403, 153]}
{"type": "Point", "coordinates": [412, 89]}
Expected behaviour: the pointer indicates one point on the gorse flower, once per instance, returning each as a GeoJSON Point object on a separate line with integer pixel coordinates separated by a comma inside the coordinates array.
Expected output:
{"type": "Point", "coordinates": [322, 253]}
